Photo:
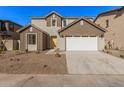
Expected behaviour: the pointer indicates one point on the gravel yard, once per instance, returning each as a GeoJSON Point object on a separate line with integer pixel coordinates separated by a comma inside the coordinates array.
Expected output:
{"type": "Point", "coordinates": [33, 63]}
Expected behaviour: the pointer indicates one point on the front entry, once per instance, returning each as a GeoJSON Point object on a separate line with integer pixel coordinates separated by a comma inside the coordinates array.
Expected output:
{"type": "Point", "coordinates": [53, 41]}
{"type": "Point", "coordinates": [32, 41]}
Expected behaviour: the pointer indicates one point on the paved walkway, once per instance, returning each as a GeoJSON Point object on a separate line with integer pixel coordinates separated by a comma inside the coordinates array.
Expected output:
{"type": "Point", "coordinates": [10, 80]}
{"type": "Point", "coordinates": [93, 63]}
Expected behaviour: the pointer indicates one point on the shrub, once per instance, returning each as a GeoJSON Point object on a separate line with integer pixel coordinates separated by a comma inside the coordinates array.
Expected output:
{"type": "Point", "coordinates": [103, 50]}
{"type": "Point", "coordinates": [38, 51]}
{"type": "Point", "coordinates": [57, 55]}
{"type": "Point", "coordinates": [0, 52]}
{"type": "Point", "coordinates": [45, 66]}
{"type": "Point", "coordinates": [105, 47]}
{"type": "Point", "coordinates": [18, 59]}
{"type": "Point", "coordinates": [26, 51]}
{"type": "Point", "coordinates": [107, 52]}
{"type": "Point", "coordinates": [121, 56]}
{"type": "Point", "coordinates": [116, 48]}
{"type": "Point", "coordinates": [11, 59]}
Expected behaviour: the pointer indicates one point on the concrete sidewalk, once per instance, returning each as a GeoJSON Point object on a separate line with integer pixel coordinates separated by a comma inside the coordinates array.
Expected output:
{"type": "Point", "coordinates": [11, 80]}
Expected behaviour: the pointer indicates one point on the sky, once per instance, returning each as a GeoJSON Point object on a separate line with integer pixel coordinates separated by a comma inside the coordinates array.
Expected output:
{"type": "Point", "coordinates": [22, 14]}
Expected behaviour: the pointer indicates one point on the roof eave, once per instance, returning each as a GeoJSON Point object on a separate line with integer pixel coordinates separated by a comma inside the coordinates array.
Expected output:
{"type": "Point", "coordinates": [107, 12]}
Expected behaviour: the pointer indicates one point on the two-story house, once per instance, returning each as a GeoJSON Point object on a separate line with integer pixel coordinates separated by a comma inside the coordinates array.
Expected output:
{"type": "Point", "coordinates": [54, 30]}
{"type": "Point", "coordinates": [52, 22]}
{"type": "Point", "coordinates": [113, 21]}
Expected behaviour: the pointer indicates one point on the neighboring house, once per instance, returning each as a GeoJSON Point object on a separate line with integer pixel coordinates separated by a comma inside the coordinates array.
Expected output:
{"type": "Point", "coordinates": [113, 21]}
{"type": "Point", "coordinates": [65, 33]}
{"type": "Point", "coordinates": [8, 35]}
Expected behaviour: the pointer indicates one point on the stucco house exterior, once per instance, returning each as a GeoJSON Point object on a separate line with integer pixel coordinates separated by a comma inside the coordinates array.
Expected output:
{"type": "Point", "coordinates": [113, 21]}
{"type": "Point", "coordinates": [65, 33]}
{"type": "Point", "coordinates": [53, 22]}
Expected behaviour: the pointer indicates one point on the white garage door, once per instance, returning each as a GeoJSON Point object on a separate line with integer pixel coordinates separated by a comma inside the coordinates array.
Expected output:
{"type": "Point", "coordinates": [81, 43]}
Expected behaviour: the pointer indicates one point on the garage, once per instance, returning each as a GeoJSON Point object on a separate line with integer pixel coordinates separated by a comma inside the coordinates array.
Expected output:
{"type": "Point", "coordinates": [81, 43]}
{"type": "Point", "coordinates": [82, 35]}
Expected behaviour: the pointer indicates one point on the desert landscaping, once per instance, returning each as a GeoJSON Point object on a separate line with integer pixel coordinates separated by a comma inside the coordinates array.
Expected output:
{"type": "Point", "coordinates": [32, 63]}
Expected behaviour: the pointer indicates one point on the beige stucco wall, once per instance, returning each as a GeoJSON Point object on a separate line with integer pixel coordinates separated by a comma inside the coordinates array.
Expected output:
{"type": "Point", "coordinates": [42, 23]}
{"type": "Point", "coordinates": [115, 31]}
{"type": "Point", "coordinates": [61, 43]}
{"type": "Point", "coordinates": [8, 44]}
{"type": "Point", "coordinates": [101, 43]}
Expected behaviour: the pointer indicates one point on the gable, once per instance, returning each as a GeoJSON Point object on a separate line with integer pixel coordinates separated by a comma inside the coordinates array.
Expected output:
{"type": "Point", "coordinates": [82, 28]}
{"type": "Point", "coordinates": [30, 29]}
{"type": "Point", "coordinates": [54, 15]}
{"type": "Point", "coordinates": [34, 29]}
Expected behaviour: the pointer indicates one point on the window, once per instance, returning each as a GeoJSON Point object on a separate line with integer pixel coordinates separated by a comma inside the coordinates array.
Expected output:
{"type": "Point", "coordinates": [54, 22]}
{"type": "Point", "coordinates": [11, 27]}
{"type": "Point", "coordinates": [64, 23]}
{"type": "Point", "coordinates": [31, 29]}
{"type": "Point", "coordinates": [107, 23]}
{"type": "Point", "coordinates": [3, 27]}
{"type": "Point", "coordinates": [31, 39]}
{"type": "Point", "coordinates": [81, 23]}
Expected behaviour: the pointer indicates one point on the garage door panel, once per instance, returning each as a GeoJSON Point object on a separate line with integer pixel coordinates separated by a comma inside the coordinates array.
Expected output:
{"type": "Point", "coordinates": [81, 43]}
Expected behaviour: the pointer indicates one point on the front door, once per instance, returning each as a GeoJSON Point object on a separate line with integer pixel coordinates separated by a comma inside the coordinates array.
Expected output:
{"type": "Point", "coordinates": [54, 41]}
{"type": "Point", "coordinates": [32, 41]}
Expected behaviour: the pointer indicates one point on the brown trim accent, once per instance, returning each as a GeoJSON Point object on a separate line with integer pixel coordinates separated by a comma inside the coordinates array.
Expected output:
{"type": "Point", "coordinates": [114, 10]}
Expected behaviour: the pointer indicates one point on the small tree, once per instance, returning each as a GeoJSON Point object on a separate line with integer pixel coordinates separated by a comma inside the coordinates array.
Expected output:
{"type": "Point", "coordinates": [57, 52]}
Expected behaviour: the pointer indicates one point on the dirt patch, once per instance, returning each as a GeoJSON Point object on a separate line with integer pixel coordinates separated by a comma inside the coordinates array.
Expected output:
{"type": "Point", "coordinates": [34, 63]}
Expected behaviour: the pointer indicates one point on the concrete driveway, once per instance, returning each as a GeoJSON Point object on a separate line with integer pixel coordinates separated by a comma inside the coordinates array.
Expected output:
{"type": "Point", "coordinates": [93, 62]}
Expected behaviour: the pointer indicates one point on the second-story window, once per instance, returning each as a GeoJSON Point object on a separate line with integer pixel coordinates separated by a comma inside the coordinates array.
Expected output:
{"type": "Point", "coordinates": [107, 23]}
{"type": "Point", "coordinates": [64, 23]}
{"type": "Point", "coordinates": [54, 22]}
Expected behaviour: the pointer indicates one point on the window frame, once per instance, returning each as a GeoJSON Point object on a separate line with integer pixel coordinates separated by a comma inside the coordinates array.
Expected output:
{"type": "Point", "coordinates": [27, 39]}
{"type": "Point", "coordinates": [64, 20]}
{"type": "Point", "coordinates": [107, 23]}
{"type": "Point", "coordinates": [52, 22]}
